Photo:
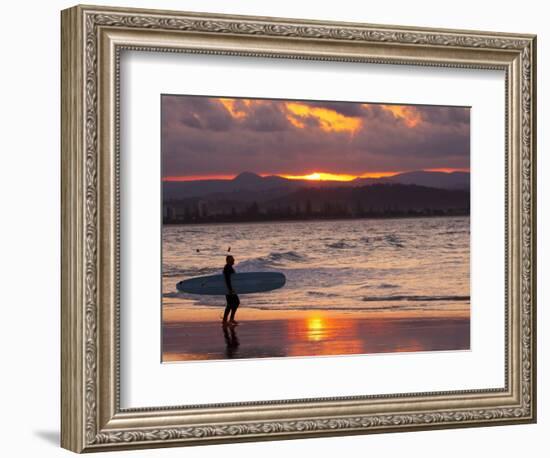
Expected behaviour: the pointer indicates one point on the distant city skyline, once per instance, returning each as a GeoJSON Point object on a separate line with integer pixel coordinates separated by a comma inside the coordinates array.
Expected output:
{"type": "Point", "coordinates": [218, 137]}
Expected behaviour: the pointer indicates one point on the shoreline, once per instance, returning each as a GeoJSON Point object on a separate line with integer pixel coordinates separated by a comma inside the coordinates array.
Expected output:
{"type": "Point", "coordinates": [175, 314]}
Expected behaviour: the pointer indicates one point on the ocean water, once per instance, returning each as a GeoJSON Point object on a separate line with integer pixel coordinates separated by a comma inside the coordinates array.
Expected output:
{"type": "Point", "coordinates": [409, 265]}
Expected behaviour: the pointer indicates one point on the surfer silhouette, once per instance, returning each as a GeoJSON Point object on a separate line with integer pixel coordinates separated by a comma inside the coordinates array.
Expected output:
{"type": "Point", "coordinates": [231, 297]}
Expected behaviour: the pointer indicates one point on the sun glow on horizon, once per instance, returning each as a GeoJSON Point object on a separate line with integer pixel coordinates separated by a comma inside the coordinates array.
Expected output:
{"type": "Point", "coordinates": [313, 176]}
{"type": "Point", "coordinates": [447, 170]}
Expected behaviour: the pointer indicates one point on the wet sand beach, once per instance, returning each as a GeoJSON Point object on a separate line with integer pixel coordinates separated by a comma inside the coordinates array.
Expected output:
{"type": "Point", "coordinates": [191, 336]}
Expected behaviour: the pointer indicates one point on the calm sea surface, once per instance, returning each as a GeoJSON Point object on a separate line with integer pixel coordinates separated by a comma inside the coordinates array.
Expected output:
{"type": "Point", "coordinates": [419, 265]}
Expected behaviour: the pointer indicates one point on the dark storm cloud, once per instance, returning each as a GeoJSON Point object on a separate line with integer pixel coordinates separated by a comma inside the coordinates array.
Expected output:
{"type": "Point", "coordinates": [204, 136]}
{"type": "Point", "coordinates": [197, 112]}
{"type": "Point", "coordinates": [445, 115]}
{"type": "Point", "coordinates": [428, 139]}
{"type": "Point", "coordinates": [265, 118]}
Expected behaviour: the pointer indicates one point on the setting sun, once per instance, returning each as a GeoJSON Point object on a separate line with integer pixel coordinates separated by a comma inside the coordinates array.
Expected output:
{"type": "Point", "coordinates": [325, 176]}
{"type": "Point", "coordinates": [321, 176]}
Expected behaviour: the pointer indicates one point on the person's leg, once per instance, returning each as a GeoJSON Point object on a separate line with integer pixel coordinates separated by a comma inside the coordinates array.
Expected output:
{"type": "Point", "coordinates": [226, 313]}
{"type": "Point", "coordinates": [227, 308]}
{"type": "Point", "coordinates": [235, 305]}
{"type": "Point", "coordinates": [233, 311]}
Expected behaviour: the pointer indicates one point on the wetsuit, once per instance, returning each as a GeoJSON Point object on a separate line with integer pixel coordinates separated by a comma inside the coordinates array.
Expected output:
{"type": "Point", "coordinates": [232, 299]}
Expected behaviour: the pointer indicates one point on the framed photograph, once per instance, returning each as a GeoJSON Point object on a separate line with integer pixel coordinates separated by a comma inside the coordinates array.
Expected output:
{"type": "Point", "coordinates": [277, 228]}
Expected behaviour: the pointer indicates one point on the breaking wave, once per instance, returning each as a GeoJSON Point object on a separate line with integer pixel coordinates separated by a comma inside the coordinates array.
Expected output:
{"type": "Point", "coordinates": [273, 259]}
{"type": "Point", "coordinates": [172, 271]}
{"type": "Point", "coordinates": [415, 298]}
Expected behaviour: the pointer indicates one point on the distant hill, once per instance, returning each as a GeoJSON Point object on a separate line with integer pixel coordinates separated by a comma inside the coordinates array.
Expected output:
{"type": "Point", "coordinates": [440, 180]}
{"type": "Point", "coordinates": [245, 182]}
{"type": "Point", "coordinates": [249, 186]}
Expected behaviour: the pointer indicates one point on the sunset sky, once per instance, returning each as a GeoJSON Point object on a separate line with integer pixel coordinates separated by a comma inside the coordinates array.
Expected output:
{"type": "Point", "coordinates": [208, 137]}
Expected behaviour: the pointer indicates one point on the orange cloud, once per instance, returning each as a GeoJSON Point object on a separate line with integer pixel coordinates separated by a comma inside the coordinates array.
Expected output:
{"type": "Point", "coordinates": [408, 114]}
{"type": "Point", "coordinates": [233, 108]}
{"type": "Point", "coordinates": [329, 120]}
{"type": "Point", "coordinates": [296, 122]}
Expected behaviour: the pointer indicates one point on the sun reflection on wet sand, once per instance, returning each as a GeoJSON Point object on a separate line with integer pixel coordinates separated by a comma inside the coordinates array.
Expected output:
{"type": "Point", "coordinates": [323, 335]}
{"type": "Point", "coordinates": [315, 328]}
{"type": "Point", "coordinates": [313, 334]}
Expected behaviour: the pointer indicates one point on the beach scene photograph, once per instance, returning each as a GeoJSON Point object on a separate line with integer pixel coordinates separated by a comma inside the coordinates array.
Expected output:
{"type": "Point", "coordinates": [302, 228]}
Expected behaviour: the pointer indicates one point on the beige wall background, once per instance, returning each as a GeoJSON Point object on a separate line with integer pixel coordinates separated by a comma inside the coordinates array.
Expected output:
{"type": "Point", "coordinates": [30, 213]}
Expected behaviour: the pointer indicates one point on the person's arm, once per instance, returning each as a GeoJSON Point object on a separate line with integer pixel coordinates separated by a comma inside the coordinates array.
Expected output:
{"type": "Point", "coordinates": [227, 275]}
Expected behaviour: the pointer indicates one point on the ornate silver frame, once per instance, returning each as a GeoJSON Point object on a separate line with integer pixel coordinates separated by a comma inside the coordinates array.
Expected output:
{"type": "Point", "coordinates": [92, 39]}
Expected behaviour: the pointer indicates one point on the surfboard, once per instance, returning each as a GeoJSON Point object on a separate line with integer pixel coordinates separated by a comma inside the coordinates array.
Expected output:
{"type": "Point", "coordinates": [243, 283]}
